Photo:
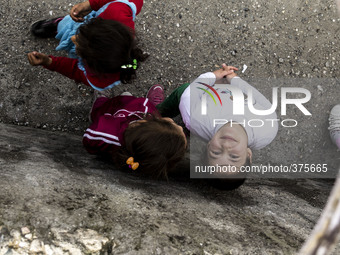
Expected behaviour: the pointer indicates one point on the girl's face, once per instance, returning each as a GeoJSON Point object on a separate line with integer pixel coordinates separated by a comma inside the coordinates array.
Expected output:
{"type": "Point", "coordinates": [229, 146]}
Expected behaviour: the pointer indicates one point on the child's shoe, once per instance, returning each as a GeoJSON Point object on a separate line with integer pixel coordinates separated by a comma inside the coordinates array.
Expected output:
{"type": "Point", "coordinates": [126, 93]}
{"type": "Point", "coordinates": [46, 28]}
{"type": "Point", "coordinates": [102, 93]}
{"type": "Point", "coordinates": [334, 125]}
{"type": "Point", "coordinates": [156, 94]}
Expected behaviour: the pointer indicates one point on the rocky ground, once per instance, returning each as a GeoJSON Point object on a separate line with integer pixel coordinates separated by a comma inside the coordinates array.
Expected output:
{"type": "Point", "coordinates": [289, 42]}
{"type": "Point", "coordinates": [55, 199]}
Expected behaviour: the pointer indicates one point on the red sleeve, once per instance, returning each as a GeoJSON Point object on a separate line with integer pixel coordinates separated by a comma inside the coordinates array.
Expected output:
{"type": "Point", "coordinates": [104, 135]}
{"type": "Point", "coordinates": [119, 12]}
{"type": "Point", "coordinates": [68, 67]}
{"type": "Point", "coordinates": [97, 4]}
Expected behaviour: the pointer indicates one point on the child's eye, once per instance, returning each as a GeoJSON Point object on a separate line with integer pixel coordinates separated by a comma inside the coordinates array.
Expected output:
{"type": "Point", "coordinates": [215, 152]}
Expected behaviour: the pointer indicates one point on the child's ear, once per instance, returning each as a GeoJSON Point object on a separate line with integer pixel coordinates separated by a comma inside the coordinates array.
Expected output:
{"type": "Point", "coordinates": [250, 155]}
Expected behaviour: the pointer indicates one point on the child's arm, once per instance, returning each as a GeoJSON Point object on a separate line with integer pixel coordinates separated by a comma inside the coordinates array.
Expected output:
{"type": "Point", "coordinates": [63, 65]}
{"type": "Point", "coordinates": [68, 67]}
{"type": "Point", "coordinates": [245, 87]}
{"type": "Point", "coordinates": [97, 4]}
{"type": "Point", "coordinates": [119, 11]}
{"type": "Point", "coordinates": [97, 140]}
{"type": "Point", "coordinates": [233, 79]}
{"type": "Point", "coordinates": [217, 76]}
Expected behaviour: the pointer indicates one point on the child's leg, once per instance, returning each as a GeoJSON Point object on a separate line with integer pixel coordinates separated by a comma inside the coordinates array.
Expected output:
{"type": "Point", "coordinates": [46, 28]}
{"type": "Point", "coordinates": [170, 106]}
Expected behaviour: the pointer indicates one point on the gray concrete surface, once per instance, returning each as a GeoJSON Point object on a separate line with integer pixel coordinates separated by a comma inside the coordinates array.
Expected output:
{"type": "Point", "coordinates": [71, 203]}
{"type": "Point", "coordinates": [52, 186]}
{"type": "Point", "coordinates": [277, 39]}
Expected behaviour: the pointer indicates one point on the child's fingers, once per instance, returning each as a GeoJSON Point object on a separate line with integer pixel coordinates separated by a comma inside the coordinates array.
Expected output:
{"type": "Point", "coordinates": [33, 53]}
{"type": "Point", "coordinates": [226, 67]}
{"type": "Point", "coordinates": [30, 55]}
{"type": "Point", "coordinates": [229, 72]}
{"type": "Point", "coordinates": [31, 58]}
{"type": "Point", "coordinates": [38, 55]}
{"type": "Point", "coordinates": [41, 55]}
{"type": "Point", "coordinates": [77, 18]}
{"type": "Point", "coordinates": [226, 73]}
{"type": "Point", "coordinates": [34, 58]}
{"type": "Point", "coordinates": [74, 13]}
{"type": "Point", "coordinates": [233, 68]}
{"type": "Point", "coordinates": [74, 16]}
{"type": "Point", "coordinates": [79, 11]}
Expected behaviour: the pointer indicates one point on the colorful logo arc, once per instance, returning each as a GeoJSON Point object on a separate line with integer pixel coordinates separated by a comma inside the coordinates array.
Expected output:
{"type": "Point", "coordinates": [213, 90]}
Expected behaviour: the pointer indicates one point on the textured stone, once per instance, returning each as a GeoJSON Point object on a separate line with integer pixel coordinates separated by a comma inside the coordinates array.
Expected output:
{"type": "Point", "coordinates": [48, 181]}
{"type": "Point", "coordinates": [81, 204]}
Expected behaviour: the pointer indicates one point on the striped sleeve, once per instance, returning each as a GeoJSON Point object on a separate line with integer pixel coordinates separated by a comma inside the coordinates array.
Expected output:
{"type": "Point", "coordinates": [97, 142]}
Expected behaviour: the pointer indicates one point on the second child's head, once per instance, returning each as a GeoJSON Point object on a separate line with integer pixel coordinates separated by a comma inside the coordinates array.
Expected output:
{"type": "Point", "coordinates": [107, 45]}
{"type": "Point", "coordinates": [229, 150]}
{"type": "Point", "coordinates": [229, 146]}
{"type": "Point", "coordinates": [157, 144]}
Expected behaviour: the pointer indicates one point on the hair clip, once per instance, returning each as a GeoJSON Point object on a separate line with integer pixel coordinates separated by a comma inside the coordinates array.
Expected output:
{"type": "Point", "coordinates": [134, 65]}
{"type": "Point", "coordinates": [132, 164]}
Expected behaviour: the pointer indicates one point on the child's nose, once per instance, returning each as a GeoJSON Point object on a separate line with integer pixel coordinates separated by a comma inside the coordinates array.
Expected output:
{"type": "Point", "coordinates": [229, 144]}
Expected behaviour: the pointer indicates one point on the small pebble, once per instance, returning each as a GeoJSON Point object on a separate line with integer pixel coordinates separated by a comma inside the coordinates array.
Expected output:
{"type": "Point", "coordinates": [320, 88]}
{"type": "Point", "coordinates": [29, 236]}
{"type": "Point", "coordinates": [25, 230]}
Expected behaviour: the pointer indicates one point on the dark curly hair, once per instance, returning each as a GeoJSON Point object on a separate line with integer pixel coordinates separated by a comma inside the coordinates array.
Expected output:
{"type": "Point", "coordinates": [106, 45]}
{"type": "Point", "coordinates": [156, 144]}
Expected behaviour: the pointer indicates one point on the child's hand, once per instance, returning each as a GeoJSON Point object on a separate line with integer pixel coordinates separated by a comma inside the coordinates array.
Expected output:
{"type": "Point", "coordinates": [79, 11]}
{"type": "Point", "coordinates": [232, 74]}
{"type": "Point", "coordinates": [225, 71]}
{"type": "Point", "coordinates": [37, 59]}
